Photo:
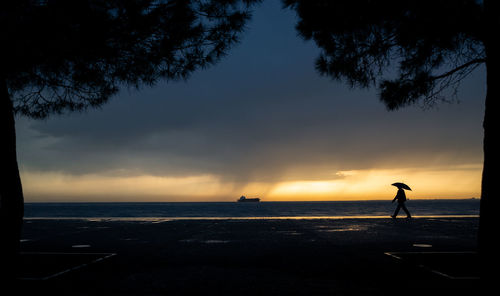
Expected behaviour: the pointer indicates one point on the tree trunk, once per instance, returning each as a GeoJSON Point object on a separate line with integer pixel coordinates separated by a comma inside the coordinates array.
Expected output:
{"type": "Point", "coordinates": [11, 193]}
{"type": "Point", "coordinates": [491, 146]}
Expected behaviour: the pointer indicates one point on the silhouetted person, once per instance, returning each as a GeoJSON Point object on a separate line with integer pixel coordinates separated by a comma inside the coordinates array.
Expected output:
{"type": "Point", "coordinates": [401, 198]}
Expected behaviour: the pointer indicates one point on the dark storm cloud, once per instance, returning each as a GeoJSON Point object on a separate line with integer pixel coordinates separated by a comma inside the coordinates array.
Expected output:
{"type": "Point", "coordinates": [261, 114]}
{"type": "Point", "coordinates": [251, 136]}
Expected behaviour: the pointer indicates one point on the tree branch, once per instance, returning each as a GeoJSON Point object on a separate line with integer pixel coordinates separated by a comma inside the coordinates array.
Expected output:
{"type": "Point", "coordinates": [449, 73]}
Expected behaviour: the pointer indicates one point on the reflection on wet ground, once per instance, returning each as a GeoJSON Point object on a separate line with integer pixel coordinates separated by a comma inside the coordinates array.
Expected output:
{"type": "Point", "coordinates": [322, 255]}
{"type": "Point", "coordinates": [167, 219]}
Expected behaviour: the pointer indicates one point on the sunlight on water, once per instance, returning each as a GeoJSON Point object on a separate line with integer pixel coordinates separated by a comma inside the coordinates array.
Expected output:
{"type": "Point", "coordinates": [161, 212]}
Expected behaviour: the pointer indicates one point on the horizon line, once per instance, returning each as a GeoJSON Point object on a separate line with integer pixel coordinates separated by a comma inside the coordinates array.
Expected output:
{"type": "Point", "coordinates": [262, 201]}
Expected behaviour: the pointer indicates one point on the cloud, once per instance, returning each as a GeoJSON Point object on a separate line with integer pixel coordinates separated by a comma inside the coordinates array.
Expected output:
{"type": "Point", "coordinates": [252, 137]}
{"type": "Point", "coordinates": [262, 115]}
{"type": "Point", "coordinates": [350, 185]}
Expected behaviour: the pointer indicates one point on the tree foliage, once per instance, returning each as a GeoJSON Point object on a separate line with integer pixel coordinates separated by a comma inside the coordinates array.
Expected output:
{"type": "Point", "coordinates": [411, 50]}
{"type": "Point", "coordinates": [415, 51]}
{"type": "Point", "coordinates": [59, 55]}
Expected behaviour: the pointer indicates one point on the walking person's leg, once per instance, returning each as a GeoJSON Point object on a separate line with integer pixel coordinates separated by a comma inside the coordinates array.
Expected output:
{"type": "Point", "coordinates": [396, 211]}
{"type": "Point", "coordinates": [408, 215]}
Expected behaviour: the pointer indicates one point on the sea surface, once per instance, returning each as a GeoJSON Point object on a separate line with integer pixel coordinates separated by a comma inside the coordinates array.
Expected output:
{"type": "Point", "coordinates": [262, 210]}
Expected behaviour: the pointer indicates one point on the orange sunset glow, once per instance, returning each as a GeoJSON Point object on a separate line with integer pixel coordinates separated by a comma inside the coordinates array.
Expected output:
{"type": "Point", "coordinates": [455, 182]}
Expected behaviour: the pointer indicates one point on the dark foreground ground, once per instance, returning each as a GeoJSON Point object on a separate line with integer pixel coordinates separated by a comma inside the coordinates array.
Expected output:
{"type": "Point", "coordinates": [422, 256]}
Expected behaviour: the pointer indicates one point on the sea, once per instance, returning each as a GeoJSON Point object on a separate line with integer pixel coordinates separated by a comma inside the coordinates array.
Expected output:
{"type": "Point", "coordinates": [260, 210]}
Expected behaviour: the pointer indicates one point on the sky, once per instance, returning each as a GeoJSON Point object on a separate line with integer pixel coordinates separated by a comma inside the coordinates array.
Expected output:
{"type": "Point", "coordinates": [261, 123]}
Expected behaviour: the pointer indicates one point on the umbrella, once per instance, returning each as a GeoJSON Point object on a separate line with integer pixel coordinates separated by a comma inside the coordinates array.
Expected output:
{"type": "Point", "coordinates": [401, 185]}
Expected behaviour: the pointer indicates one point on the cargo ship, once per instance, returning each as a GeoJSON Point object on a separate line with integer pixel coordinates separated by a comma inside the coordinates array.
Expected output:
{"type": "Point", "coordinates": [244, 199]}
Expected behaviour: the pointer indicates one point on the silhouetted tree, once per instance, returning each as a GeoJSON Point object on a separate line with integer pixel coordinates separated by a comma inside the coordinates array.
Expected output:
{"type": "Point", "coordinates": [413, 51]}
{"type": "Point", "coordinates": [59, 55]}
